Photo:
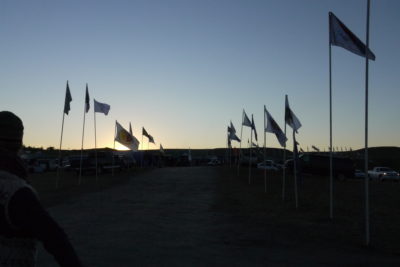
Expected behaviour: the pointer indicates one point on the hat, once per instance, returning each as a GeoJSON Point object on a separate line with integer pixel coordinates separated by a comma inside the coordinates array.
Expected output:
{"type": "Point", "coordinates": [11, 131]}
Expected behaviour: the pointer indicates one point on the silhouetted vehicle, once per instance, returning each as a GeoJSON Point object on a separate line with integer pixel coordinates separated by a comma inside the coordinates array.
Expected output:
{"type": "Point", "coordinates": [317, 164]}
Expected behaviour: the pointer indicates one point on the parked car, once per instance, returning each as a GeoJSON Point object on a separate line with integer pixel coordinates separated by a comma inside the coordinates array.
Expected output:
{"type": "Point", "coordinates": [383, 173]}
{"type": "Point", "coordinates": [214, 162]}
{"type": "Point", "coordinates": [269, 165]}
{"type": "Point", "coordinates": [359, 174]}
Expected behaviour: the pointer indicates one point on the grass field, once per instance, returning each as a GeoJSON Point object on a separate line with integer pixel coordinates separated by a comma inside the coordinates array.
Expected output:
{"type": "Point", "coordinates": [311, 220]}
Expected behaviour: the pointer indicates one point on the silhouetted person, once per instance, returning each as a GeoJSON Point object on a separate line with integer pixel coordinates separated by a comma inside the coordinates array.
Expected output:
{"type": "Point", "coordinates": [23, 220]}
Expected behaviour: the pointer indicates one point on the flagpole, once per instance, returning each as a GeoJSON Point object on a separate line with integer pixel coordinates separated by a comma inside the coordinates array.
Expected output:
{"type": "Point", "coordinates": [265, 169]}
{"type": "Point", "coordinates": [59, 154]}
{"type": "Point", "coordinates": [330, 136]}
{"type": "Point", "coordinates": [295, 169]}
{"type": "Point", "coordinates": [83, 134]}
{"type": "Point", "coordinates": [95, 140]}
{"type": "Point", "coordinates": [367, 230]}
{"type": "Point", "coordinates": [251, 144]}
{"type": "Point", "coordinates": [115, 134]}
{"type": "Point", "coordinates": [284, 161]}
{"type": "Point", "coordinates": [141, 158]}
{"type": "Point", "coordinates": [240, 146]}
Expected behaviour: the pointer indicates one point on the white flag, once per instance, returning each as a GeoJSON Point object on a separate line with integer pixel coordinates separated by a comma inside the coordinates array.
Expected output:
{"type": "Point", "coordinates": [273, 127]}
{"type": "Point", "coordinates": [101, 107]}
{"type": "Point", "coordinates": [125, 138]}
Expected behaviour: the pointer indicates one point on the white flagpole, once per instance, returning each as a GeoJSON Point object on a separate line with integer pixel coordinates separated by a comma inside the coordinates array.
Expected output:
{"type": "Point", "coordinates": [367, 230]}
{"type": "Point", "coordinates": [59, 154]}
{"type": "Point", "coordinates": [295, 171]}
{"type": "Point", "coordinates": [240, 146]}
{"type": "Point", "coordinates": [330, 136]}
{"type": "Point", "coordinates": [95, 141]}
{"type": "Point", "coordinates": [83, 134]}
{"type": "Point", "coordinates": [251, 144]}
{"type": "Point", "coordinates": [284, 161]}
{"type": "Point", "coordinates": [265, 170]}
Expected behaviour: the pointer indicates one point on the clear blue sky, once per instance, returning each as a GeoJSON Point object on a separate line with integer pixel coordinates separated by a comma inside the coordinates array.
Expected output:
{"type": "Point", "coordinates": [184, 69]}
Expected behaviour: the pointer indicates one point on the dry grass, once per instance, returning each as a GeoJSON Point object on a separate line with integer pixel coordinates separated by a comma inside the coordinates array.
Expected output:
{"type": "Point", "coordinates": [311, 220]}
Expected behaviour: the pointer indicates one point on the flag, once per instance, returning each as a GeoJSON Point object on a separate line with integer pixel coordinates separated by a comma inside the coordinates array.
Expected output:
{"type": "Point", "coordinates": [101, 107]}
{"type": "Point", "coordinates": [68, 99]}
{"type": "Point", "coordinates": [273, 127]}
{"type": "Point", "coordinates": [87, 105]}
{"type": "Point", "coordinates": [144, 132]}
{"type": "Point", "coordinates": [162, 149]}
{"type": "Point", "coordinates": [125, 138]}
{"type": "Point", "coordinates": [135, 141]}
{"type": "Point", "coordinates": [232, 128]}
{"type": "Point", "coordinates": [151, 139]}
{"type": "Point", "coordinates": [246, 121]}
{"type": "Point", "coordinates": [253, 127]}
{"type": "Point", "coordinates": [290, 118]}
{"type": "Point", "coordinates": [340, 35]}
{"type": "Point", "coordinates": [315, 148]}
{"type": "Point", "coordinates": [233, 136]}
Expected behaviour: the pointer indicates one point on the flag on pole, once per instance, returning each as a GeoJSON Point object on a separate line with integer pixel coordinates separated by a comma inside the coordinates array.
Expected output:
{"type": "Point", "coordinates": [125, 138]}
{"type": "Point", "coordinates": [87, 105]}
{"type": "Point", "coordinates": [340, 35]}
{"type": "Point", "coordinates": [144, 132]}
{"type": "Point", "coordinates": [135, 140]}
{"type": "Point", "coordinates": [232, 134]}
{"type": "Point", "coordinates": [162, 149]}
{"type": "Point", "coordinates": [246, 121]}
{"type": "Point", "coordinates": [253, 127]}
{"type": "Point", "coordinates": [273, 127]}
{"type": "Point", "coordinates": [290, 118]}
{"type": "Point", "coordinates": [232, 128]}
{"type": "Point", "coordinates": [151, 139]}
{"type": "Point", "coordinates": [68, 99]}
{"type": "Point", "coordinates": [101, 107]}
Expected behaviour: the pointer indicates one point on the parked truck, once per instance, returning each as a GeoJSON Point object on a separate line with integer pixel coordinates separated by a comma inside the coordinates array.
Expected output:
{"type": "Point", "coordinates": [383, 173]}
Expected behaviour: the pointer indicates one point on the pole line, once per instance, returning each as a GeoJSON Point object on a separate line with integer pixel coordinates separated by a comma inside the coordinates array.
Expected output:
{"type": "Point", "coordinates": [112, 154]}
{"type": "Point", "coordinates": [330, 136]}
{"type": "Point", "coordinates": [240, 146]}
{"type": "Point", "coordinates": [367, 230]}
{"type": "Point", "coordinates": [95, 141]}
{"type": "Point", "coordinates": [265, 169]}
{"type": "Point", "coordinates": [284, 161]}
{"type": "Point", "coordinates": [251, 144]}
{"type": "Point", "coordinates": [295, 170]}
{"type": "Point", "coordinates": [59, 153]}
{"type": "Point", "coordinates": [141, 158]}
{"type": "Point", "coordinates": [83, 134]}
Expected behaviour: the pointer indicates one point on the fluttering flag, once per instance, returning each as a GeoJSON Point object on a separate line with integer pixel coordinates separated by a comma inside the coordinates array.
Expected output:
{"type": "Point", "coordinates": [246, 121]}
{"type": "Point", "coordinates": [162, 149]}
{"type": "Point", "coordinates": [253, 127]}
{"type": "Point", "coordinates": [87, 105]}
{"type": "Point", "coordinates": [151, 139]}
{"type": "Point", "coordinates": [125, 138]}
{"type": "Point", "coordinates": [68, 99]}
{"type": "Point", "coordinates": [135, 141]}
{"type": "Point", "coordinates": [273, 127]}
{"type": "Point", "coordinates": [232, 128]}
{"type": "Point", "coordinates": [101, 107]}
{"type": "Point", "coordinates": [315, 148]}
{"type": "Point", "coordinates": [144, 132]}
{"type": "Point", "coordinates": [340, 35]}
{"type": "Point", "coordinates": [290, 118]}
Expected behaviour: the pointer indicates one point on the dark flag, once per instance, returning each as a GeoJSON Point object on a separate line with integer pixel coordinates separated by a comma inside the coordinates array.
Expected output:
{"type": "Point", "coordinates": [340, 35]}
{"type": "Point", "coordinates": [68, 99]}
{"type": "Point", "coordinates": [87, 105]}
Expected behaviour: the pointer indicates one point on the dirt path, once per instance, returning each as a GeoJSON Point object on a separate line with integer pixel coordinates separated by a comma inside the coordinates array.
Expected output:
{"type": "Point", "coordinates": [167, 217]}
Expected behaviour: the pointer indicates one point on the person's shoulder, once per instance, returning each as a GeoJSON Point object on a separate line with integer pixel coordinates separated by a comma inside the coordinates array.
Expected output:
{"type": "Point", "coordinates": [10, 184]}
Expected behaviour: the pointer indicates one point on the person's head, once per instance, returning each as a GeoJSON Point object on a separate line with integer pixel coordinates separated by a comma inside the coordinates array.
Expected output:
{"type": "Point", "coordinates": [11, 132]}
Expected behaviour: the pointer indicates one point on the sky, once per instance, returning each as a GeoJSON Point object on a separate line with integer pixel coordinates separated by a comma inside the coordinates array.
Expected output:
{"type": "Point", "coordinates": [183, 69]}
